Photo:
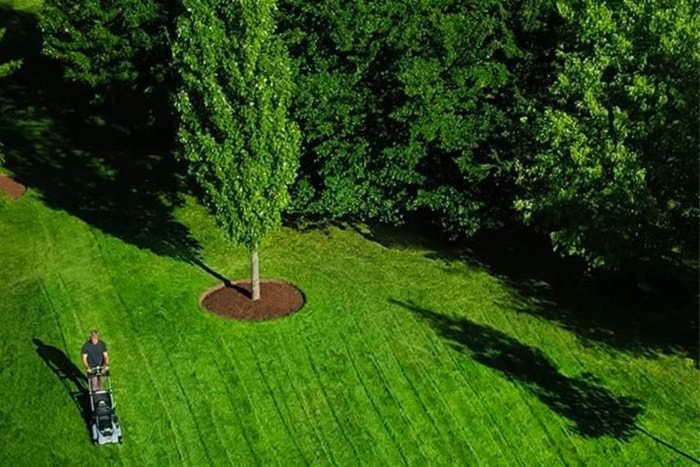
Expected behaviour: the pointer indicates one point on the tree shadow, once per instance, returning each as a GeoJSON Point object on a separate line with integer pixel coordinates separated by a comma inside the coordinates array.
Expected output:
{"type": "Point", "coordinates": [117, 176]}
{"type": "Point", "coordinates": [595, 411]}
{"type": "Point", "coordinates": [73, 380]}
{"type": "Point", "coordinates": [612, 309]}
{"type": "Point", "coordinates": [642, 313]}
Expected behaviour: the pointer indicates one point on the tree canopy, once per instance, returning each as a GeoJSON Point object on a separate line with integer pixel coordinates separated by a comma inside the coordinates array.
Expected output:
{"type": "Point", "coordinates": [235, 133]}
{"type": "Point", "coordinates": [6, 69]}
{"type": "Point", "coordinates": [575, 117]}
{"type": "Point", "coordinates": [614, 178]}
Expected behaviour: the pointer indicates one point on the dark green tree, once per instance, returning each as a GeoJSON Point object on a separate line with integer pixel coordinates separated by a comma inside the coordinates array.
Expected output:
{"type": "Point", "coordinates": [104, 42]}
{"type": "Point", "coordinates": [398, 102]}
{"type": "Point", "coordinates": [120, 49]}
{"type": "Point", "coordinates": [235, 133]}
{"type": "Point", "coordinates": [614, 177]}
{"type": "Point", "coordinates": [6, 69]}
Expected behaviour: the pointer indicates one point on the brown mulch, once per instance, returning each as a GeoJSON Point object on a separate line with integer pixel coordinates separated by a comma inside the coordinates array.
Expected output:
{"type": "Point", "coordinates": [11, 188]}
{"type": "Point", "coordinates": [277, 299]}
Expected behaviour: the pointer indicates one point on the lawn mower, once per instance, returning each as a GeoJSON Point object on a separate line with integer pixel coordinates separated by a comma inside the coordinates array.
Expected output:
{"type": "Point", "coordinates": [103, 420]}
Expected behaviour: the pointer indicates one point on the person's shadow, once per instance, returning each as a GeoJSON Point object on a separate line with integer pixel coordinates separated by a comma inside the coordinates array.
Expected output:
{"type": "Point", "coordinates": [72, 378]}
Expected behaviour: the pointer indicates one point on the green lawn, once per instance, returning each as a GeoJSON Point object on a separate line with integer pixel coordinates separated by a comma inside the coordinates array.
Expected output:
{"type": "Point", "coordinates": [396, 359]}
{"type": "Point", "coordinates": [403, 354]}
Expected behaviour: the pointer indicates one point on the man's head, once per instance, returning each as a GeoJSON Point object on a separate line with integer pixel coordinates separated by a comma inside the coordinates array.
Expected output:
{"type": "Point", "coordinates": [94, 336]}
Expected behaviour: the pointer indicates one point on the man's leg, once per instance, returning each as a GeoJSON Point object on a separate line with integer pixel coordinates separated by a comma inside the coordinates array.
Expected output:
{"type": "Point", "coordinates": [95, 383]}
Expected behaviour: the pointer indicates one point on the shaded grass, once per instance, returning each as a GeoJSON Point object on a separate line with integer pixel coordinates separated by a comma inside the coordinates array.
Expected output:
{"type": "Point", "coordinates": [393, 360]}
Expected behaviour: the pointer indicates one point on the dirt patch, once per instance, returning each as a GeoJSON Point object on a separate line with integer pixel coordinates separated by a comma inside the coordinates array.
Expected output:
{"type": "Point", "coordinates": [277, 299]}
{"type": "Point", "coordinates": [11, 188]}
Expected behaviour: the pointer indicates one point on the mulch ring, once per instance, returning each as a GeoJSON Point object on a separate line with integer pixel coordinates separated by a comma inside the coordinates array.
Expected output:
{"type": "Point", "coordinates": [11, 188]}
{"type": "Point", "coordinates": [277, 298]}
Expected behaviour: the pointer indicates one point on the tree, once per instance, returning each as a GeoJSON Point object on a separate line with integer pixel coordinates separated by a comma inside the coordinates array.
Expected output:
{"type": "Point", "coordinates": [6, 69]}
{"type": "Point", "coordinates": [614, 178]}
{"type": "Point", "coordinates": [235, 133]}
{"type": "Point", "coordinates": [399, 102]}
{"type": "Point", "coordinates": [119, 49]}
{"type": "Point", "coordinates": [102, 42]}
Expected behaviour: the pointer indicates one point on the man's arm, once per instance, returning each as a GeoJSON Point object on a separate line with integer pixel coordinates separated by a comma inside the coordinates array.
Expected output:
{"type": "Point", "coordinates": [105, 360]}
{"type": "Point", "coordinates": [85, 362]}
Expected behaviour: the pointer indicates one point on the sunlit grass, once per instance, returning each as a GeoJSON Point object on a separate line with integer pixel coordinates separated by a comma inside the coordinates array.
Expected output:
{"type": "Point", "coordinates": [365, 373]}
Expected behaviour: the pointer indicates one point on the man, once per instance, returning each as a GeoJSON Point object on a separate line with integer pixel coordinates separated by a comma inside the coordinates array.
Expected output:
{"type": "Point", "coordinates": [95, 354]}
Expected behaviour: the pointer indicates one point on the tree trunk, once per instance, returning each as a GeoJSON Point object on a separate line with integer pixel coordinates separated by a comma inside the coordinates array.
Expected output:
{"type": "Point", "coordinates": [255, 275]}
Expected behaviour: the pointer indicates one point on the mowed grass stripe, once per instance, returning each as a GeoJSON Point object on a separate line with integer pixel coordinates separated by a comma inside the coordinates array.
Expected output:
{"type": "Point", "coordinates": [242, 432]}
{"type": "Point", "coordinates": [391, 343]}
{"type": "Point", "coordinates": [341, 381]}
{"type": "Point", "coordinates": [387, 428]}
{"type": "Point", "coordinates": [346, 458]}
{"type": "Point", "coordinates": [409, 396]}
{"type": "Point", "coordinates": [152, 357]}
{"type": "Point", "coordinates": [214, 404]}
{"type": "Point", "coordinates": [443, 405]}
{"type": "Point", "coordinates": [422, 381]}
{"type": "Point", "coordinates": [468, 394]}
{"type": "Point", "coordinates": [287, 398]}
{"type": "Point", "coordinates": [60, 290]}
{"type": "Point", "coordinates": [299, 394]}
{"type": "Point", "coordinates": [266, 449]}
{"type": "Point", "coordinates": [346, 281]}
{"type": "Point", "coordinates": [521, 407]}
{"type": "Point", "coordinates": [148, 359]}
{"type": "Point", "coordinates": [270, 397]}
{"type": "Point", "coordinates": [358, 410]}
{"type": "Point", "coordinates": [201, 429]}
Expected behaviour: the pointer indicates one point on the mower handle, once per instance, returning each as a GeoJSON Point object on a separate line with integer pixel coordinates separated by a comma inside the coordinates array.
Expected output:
{"type": "Point", "coordinates": [96, 371]}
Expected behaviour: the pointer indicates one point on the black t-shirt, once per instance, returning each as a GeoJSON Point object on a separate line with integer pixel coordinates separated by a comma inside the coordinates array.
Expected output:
{"type": "Point", "coordinates": [94, 353]}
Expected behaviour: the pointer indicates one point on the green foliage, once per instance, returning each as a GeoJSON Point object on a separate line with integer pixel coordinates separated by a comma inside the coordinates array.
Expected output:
{"type": "Point", "coordinates": [397, 102]}
{"type": "Point", "coordinates": [235, 133]}
{"type": "Point", "coordinates": [6, 69]}
{"type": "Point", "coordinates": [103, 42]}
{"type": "Point", "coordinates": [615, 177]}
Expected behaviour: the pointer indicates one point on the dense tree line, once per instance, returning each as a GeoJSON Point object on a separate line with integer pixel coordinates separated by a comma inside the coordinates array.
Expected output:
{"type": "Point", "coordinates": [7, 68]}
{"type": "Point", "coordinates": [578, 118]}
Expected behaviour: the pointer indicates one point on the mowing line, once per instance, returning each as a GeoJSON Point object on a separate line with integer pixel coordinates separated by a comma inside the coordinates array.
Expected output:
{"type": "Point", "coordinates": [558, 418]}
{"type": "Point", "coordinates": [62, 287]}
{"type": "Point", "coordinates": [382, 422]}
{"type": "Point", "coordinates": [238, 415]}
{"type": "Point", "coordinates": [448, 408]}
{"type": "Point", "coordinates": [216, 425]}
{"type": "Point", "coordinates": [621, 444]}
{"type": "Point", "coordinates": [275, 402]}
{"type": "Point", "coordinates": [302, 402]}
{"type": "Point", "coordinates": [178, 379]}
{"type": "Point", "coordinates": [387, 388]}
{"type": "Point", "coordinates": [466, 384]}
{"type": "Point", "coordinates": [416, 393]}
{"type": "Point", "coordinates": [329, 405]}
{"type": "Point", "coordinates": [263, 431]}
{"type": "Point", "coordinates": [149, 370]}
{"type": "Point", "coordinates": [50, 252]}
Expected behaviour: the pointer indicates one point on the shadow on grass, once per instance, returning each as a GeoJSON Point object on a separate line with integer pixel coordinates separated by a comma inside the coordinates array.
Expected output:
{"type": "Point", "coordinates": [643, 314]}
{"type": "Point", "coordinates": [73, 380]}
{"type": "Point", "coordinates": [595, 411]}
{"type": "Point", "coordinates": [119, 177]}
{"type": "Point", "coordinates": [615, 310]}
